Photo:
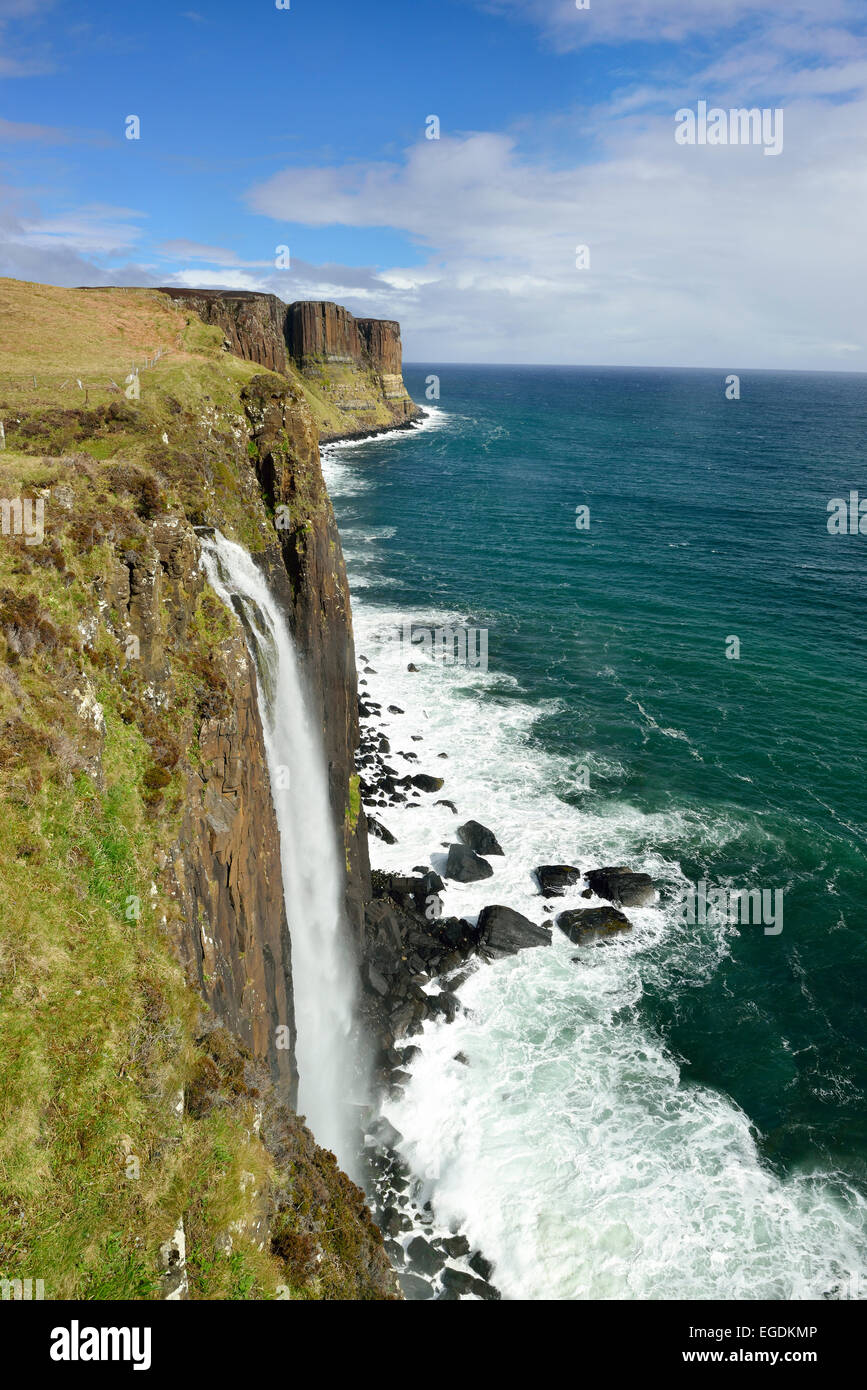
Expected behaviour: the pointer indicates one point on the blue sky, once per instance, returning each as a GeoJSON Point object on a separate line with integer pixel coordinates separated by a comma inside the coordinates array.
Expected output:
{"type": "Point", "coordinates": [263, 127]}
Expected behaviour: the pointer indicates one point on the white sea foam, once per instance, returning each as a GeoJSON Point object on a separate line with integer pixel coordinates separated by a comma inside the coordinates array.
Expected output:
{"type": "Point", "coordinates": [570, 1148]}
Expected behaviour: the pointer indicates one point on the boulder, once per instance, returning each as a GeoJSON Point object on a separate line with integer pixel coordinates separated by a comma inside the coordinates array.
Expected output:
{"type": "Point", "coordinates": [379, 830]}
{"type": "Point", "coordinates": [479, 838]}
{"type": "Point", "coordinates": [584, 925]}
{"type": "Point", "coordinates": [449, 805]}
{"type": "Point", "coordinates": [620, 885]}
{"type": "Point", "coordinates": [423, 1257]}
{"type": "Point", "coordinates": [554, 879]}
{"type": "Point", "coordinates": [465, 866]}
{"type": "Point", "coordinates": [503, 932]}
{"type": "Point", "coordinates": [426, 783]}
{"type": "Point", "coordinates": [482, 1267]}
{"type": "Point", "coordinates": [414, 1287]}
{"type": "Point", "coordinates": [444, 1003]}
{"type": "Point", "coordinates": [458, 1281]}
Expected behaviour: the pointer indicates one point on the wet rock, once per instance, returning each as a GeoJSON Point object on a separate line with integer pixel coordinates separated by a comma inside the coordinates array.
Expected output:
{"type": "Point", "coordinates": [482, 1267]}
{"type": "Point", "coordinates": [395, 709]}
{"type": "Point", "coordinates": [456, 1246]}
{"type": "Point", "coordinates": [479, 838]}
{"type": "Point", "coordinates": [384, 1133]}
{"type": "Point", "coordinates": [554, 879]}
{"type": "Point", "coordinates": [584, 925]}
{"type": "Point", "coordinates": [503, 932]}
{"type": "Point", "coordinates": [466, 867]}
{"type": "Point", "coordinates": [380, 831]}
{"type": "Point", "coordinates": [376, 981]}
{"type": "Point", "coordinates": [424, 1257]}
{"type": "Point", "coordinates": [449, 805]}
{"type": "Point", "coordinates": [620, 885]}
{"type": "Point", "coordinates": [425, 783]}
{"type": "Point", "coordinates": [458, 1280]}
{"type": "Point", "coordinates": [392, 1222]}
{"type": "Point", "coordinates": [445, 1004]}
{"type": "Point", "coordinates": [414, 1287]}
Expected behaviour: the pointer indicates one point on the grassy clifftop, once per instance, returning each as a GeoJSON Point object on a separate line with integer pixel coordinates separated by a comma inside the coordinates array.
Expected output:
{"type": "Point", "coordinates": [132, 1125]}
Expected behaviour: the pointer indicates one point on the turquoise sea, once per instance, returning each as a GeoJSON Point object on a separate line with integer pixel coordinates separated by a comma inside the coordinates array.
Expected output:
{"type": "Point", "coordinates": [683, 1115]}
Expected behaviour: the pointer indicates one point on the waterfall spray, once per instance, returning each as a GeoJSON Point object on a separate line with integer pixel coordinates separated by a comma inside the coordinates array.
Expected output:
{"type": "Point", "coordinates": [322, 967]}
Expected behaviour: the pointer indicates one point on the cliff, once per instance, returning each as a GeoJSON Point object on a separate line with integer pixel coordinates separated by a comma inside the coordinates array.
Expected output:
{"type": "Point", "coordinates": [349, 370]}
{"type": "Point", "coordinates": [146, 1007]}
{"type": "Point", "coordinates": [252, 324]}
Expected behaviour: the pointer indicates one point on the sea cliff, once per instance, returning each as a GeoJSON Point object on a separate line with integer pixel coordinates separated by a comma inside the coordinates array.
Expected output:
{"type": "Point", "coordinates": [147, 1027]}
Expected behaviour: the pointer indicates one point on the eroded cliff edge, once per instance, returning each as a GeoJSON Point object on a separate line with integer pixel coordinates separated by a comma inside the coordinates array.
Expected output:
{"type": "Point", "coordinates": [138, 828]}
{"type": "Point", "coordinates": [350, 369]}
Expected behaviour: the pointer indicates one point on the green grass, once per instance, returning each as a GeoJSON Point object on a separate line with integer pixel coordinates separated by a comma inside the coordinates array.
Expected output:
{"type": "Point", "coordinates": [99, 1031]}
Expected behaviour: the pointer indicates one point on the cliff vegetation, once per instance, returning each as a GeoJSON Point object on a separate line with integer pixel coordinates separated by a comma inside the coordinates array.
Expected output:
{"type": "Point", "coordinates": [148, 1144]}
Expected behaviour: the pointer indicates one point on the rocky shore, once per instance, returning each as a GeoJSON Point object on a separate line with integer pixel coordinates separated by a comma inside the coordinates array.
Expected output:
{"type": "Point", "coordinates": [415, 960]}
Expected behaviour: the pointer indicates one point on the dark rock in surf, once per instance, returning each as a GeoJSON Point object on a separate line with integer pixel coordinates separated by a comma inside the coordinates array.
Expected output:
{"type": "Point", "coordinates": [466, 867]}
{"type": "Point", "coordinates": [449, 805]}
{"type": "Point", "coordinates": [503, 932]}
{"type": "Point", "coordinates": [482, 1267]}
{"type": "Point", "coordinates": [423, 1257]}
{"type": "Point", "coordinates": [379, 830]}
{"type": "Point", "coordinates": [458, 1281]}
{"type": "Point", "coordinates": [445, 1004]}
{"type": "Point", "coordinates": [584, 925]}
{"type": "Point", "coordinates": [620, 885]}
{"type": "Point", "coordinates": [554, 879]}
{"type": "Point", "coordinates": [479, 838]}
{"type": "Point", "coordinates": [426, 783]}
{"type": "Point", "coordinates": [414, 1287]}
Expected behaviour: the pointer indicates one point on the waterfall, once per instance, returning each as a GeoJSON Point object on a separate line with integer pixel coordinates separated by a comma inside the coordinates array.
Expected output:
{"type": "Point", "coordinates": [322, 967]}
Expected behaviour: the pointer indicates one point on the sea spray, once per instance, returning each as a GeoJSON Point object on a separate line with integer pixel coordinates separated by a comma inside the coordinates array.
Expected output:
{"type": "Point", "coordinates": [322, 966]}
{"type": "Point", "coordinates": [552, 1122]}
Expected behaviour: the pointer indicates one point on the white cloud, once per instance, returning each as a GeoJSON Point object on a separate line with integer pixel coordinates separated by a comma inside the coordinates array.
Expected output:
{"type": "Point", "coordinates": [704, 256]}
{"type": "Point", "coordinates": [95, 229]}
{"type": "Point", "coordinates": [211, 255]}
{"type": "Point", "coordinates": [619, 21]}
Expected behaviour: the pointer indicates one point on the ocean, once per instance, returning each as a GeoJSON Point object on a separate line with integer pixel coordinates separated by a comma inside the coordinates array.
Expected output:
{"type": "Point", "coordinates": [675, 682]}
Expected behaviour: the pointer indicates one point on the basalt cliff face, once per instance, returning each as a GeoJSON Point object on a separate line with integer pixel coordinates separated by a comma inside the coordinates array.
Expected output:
{"type": "Point", "coordinates": [351, 370]}
{"type": "Point", "coordinates": [145, 949]}
{"type": "Point", "coordinates": [252, 324]}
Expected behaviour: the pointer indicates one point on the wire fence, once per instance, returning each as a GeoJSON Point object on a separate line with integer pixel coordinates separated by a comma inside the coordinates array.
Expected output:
{"type": "Point", "coordinates": [80, 385]}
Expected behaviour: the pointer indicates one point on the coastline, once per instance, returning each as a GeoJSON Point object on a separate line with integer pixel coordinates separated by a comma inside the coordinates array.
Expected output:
{"type": "Point", "coordinates": [358, 436]}
{"type": "Point", "coordinates": [483, 1113]}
